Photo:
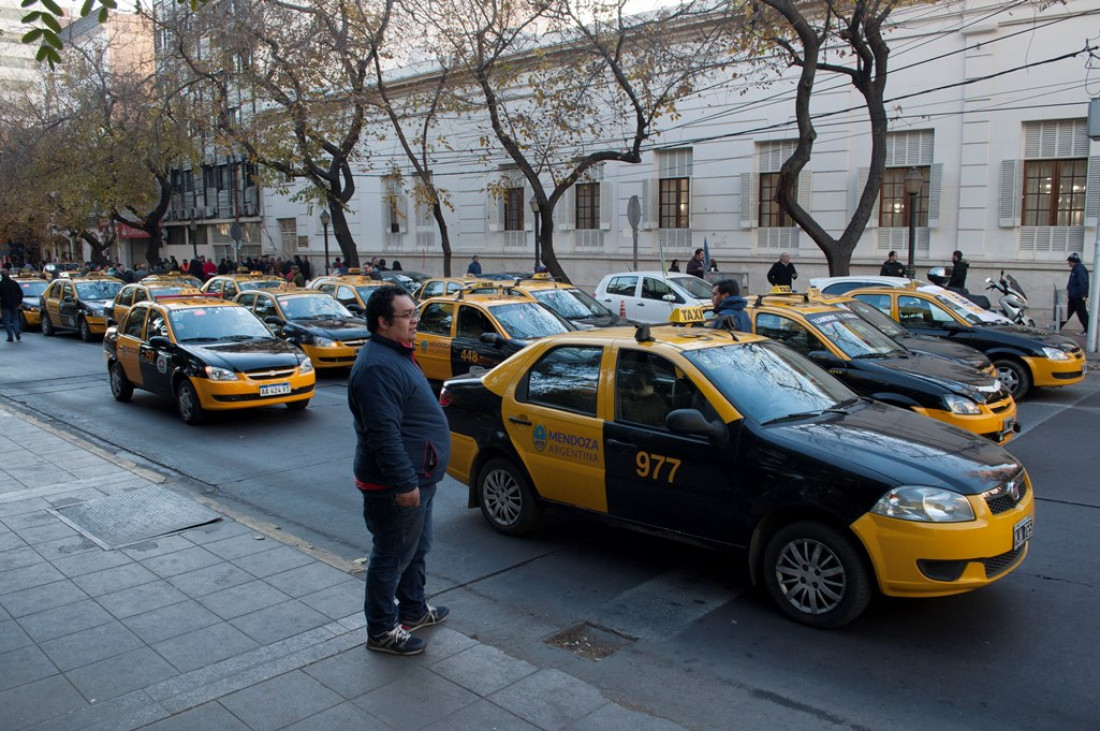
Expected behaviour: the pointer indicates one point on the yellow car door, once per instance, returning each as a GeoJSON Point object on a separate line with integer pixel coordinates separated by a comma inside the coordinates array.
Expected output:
{"type": "Point", "coordinates": [128, 347]}
{"type": "Point", "coordinates": [433, 340]}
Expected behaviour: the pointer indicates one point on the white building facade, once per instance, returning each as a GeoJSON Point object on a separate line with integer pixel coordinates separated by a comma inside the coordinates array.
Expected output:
{"type": "Point", "coordinates": [988, 103]}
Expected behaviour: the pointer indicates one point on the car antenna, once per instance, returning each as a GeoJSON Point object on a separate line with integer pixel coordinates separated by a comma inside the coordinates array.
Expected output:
{"type": "Point", "coordinates": [641, 333]}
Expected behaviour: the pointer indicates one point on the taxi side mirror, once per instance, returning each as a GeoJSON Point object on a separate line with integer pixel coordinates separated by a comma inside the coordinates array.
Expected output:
{"type": "Point", "coordinates": [825, 359]}
{"type": "Point", "coordinates": [274, 320]}
{"type": "Point", "coordinates": [492, 338]}
{"type": "Point", "coordinates": [159, 341]}
{"type": "Point", "coordinates": [692, 421]}
{"type": "Point", "coordinates": [356, 308]}
{"type": "Point", "coordinates": [111, 322]}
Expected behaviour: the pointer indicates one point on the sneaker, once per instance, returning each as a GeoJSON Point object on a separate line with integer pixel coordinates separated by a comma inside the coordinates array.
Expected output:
{"type": "Point", "coordinates": [397, 641]}
{"type": "Point", "coordinates": [432, 615]}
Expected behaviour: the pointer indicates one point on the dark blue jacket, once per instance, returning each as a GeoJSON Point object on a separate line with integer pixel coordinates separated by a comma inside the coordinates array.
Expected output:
{"type": "Point", "coordinates": [403, 440]}
{"type": "Point", "coordinates": [1078, 287]}
{"type": "Point", "coordinates": [735, 307]}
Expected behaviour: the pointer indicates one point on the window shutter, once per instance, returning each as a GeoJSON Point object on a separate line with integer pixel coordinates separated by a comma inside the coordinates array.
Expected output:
{"type": "Point", "coordinates": [935, 179]}
{"type": "Point", "coordinates": [1092, 193]}
{"type": "Point", "coordinates": [865, 173]}
{"type": "Point", "coordinates": [750, 186]}
{"type": "Point", "coordinates": [528, 214]}
{"type": "Point", "coordinates": [1008, 202]}
{"type": "Point", "coordinates": [566, 216]}
{"type": "Point", "coordinates": [650, 204]}
{"type": "Point", "coordinates": [805, 189]}
{"type": "Point", "coordinates": [494, 211]}
{"type": "Point", "coordinates": [605, 206]}
{"type": "Point", "coordinates": [401, 210]}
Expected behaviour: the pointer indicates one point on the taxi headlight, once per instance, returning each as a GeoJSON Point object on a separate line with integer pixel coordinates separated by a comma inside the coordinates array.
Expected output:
{"type": "Point", "coordinates": [320, 342]}
{"type": "Point", "coordinates": [924, 505]}
{"type": "Point", "coordinates": [1055, 354]}
{"type": "Point", "coordinates": [215, 373]}
{"type": "Point", "coordinates": [305, 366]}
{"type": "Point", "coordinates": [960, 405]}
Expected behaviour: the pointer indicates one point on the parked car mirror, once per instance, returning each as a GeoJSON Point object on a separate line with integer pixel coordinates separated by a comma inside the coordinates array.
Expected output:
{"type": "Point", "coordinates": [159, 341]}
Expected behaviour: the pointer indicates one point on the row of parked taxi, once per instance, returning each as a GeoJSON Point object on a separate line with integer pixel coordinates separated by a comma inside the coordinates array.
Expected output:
{"type": "Point", "coordinates": [807, 442]}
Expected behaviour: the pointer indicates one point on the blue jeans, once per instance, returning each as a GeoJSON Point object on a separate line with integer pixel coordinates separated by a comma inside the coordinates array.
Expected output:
{"type": "Point", "coordinates": [401, 538]}
{"type": "Point", "coordinates": [11, 321]}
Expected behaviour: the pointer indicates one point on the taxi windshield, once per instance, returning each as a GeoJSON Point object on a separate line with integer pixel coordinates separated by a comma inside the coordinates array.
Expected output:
{"type": "Point", "coordinates": [696, 287]}
{"type": "Point", "coordinates": [99, 290]}
{"type": "Point", "coordinates": [875, 316]}
{"type": "Point", "coordinates": [963, 308]}
{"type": "Point", "coordinates": [765, 380]}
{"type": "Point", "coordinates": [572, 304]}
{"type": "Point", "coordinates": [165, 290]}
{"type": "Point", "coordinates": [33, 287]}
{"type": "Point", "coordinates": [260, 284]}
{"type": "Point", "coordinates": [855, 337]}
{"type": "Point", "coordinates": [208, 324]}
{"type": "Point", "coordinates": [525, 320]}
{"type": "Point", "coordinates": [365, 291]}
{"type": "Point", "coordinates": [312, 308]}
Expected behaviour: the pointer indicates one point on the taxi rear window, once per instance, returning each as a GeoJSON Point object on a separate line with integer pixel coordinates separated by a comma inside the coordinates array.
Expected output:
{"type": "Point", "coordinates": [33, 288]}
{"type": "Point", "coordinates": [529, 320]}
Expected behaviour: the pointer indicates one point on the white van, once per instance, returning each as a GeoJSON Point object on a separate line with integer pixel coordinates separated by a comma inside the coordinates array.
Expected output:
{"type": "Point", "coordinates": [651, 296]}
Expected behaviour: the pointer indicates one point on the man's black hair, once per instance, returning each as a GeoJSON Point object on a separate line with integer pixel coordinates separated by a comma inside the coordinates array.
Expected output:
{"type": "Point", "coordinates": [698, 252]}
{"type": "Point", "coordinates": [380, 304]}
{"type": "Point", "coordinates": [728, 286]}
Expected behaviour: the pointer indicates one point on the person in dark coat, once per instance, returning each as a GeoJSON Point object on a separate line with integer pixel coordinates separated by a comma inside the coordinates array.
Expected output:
{"type": "Point", "coordinates": [727, 299]}
{"type": "Point", "coordinates": [783, 273]}
{"type": "Point", "coordinates": [695, 266]}
{"type": "Point", "coordinates": [1077, 292]}
{"type": "Point", "coordinates": [11, 296]}
{"type": "Point", "coordinates": [892, 267]}
{"type": "Point", "coordinates": [959, 267]}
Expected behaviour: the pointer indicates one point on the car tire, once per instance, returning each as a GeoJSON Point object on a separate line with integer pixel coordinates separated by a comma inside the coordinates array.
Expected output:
{"type": "Point", "coordinates": [298, 405]}
{"type": "Point", "coordinates": [85, 331]}
{"type": "Point", "coordinates": [816, 576]}
{"type": "Point", "coordinates": [188, 404]}
{"type": "Point", "coordinates": [1014, 375]}
{"type": "Point", "coordinates": [121, 388]}
{"type": "Point", "coordinates": [47, 326]}
{"type": "Point", "coordinates": [506, 499]}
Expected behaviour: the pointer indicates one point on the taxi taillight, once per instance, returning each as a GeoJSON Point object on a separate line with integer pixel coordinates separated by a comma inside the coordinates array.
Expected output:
{"type": "Point", "coordinates": [444, 397]}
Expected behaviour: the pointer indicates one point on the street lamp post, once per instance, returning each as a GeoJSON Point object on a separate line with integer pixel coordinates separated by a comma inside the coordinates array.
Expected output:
{"type": "Point", "coordinates": [191, 228]}
{"type": "Point", "coordinates": [535, 212]}
{"type": "Point", "coordinates": [326, 219]}
{"type": "Point", "coordinates": [913, 182]}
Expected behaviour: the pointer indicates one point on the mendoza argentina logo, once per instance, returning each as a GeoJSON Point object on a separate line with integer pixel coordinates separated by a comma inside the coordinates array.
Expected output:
{"type": "Point", "coordinates": [563, 444]}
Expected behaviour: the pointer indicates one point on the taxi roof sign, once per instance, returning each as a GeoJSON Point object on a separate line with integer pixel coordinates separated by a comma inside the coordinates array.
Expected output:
{"type": "Point", "coordinates": [687, 315]}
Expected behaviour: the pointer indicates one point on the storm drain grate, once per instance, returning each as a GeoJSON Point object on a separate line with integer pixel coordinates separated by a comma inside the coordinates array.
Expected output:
{"type": "Point", "coordinates": [588, 640]}
{"type": "Point", "coordinates": [135, 516]}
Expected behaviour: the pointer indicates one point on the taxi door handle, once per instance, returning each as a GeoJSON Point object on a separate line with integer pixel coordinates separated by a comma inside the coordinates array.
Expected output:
{"type": "Point", "coordinates": [624, 445]}
{"type": "Point", "coordinates": [519, 420]}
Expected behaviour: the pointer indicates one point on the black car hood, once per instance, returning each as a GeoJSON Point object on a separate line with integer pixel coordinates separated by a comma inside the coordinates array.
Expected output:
{"type": "Point", "coordinates": [959, 378]}
{"type": "Point", "coordinates": [246, 355]}
{"type": "Point", "coordinates": [595, 321]}
{"type": "Point", "coordinates": [1044, 337]}
{"type": "Point", "coordinates": [945, 349]}
{"type": "Point", "coordinates": [899, 447]}
{"type": "Point", "coordinates": [334, 328]}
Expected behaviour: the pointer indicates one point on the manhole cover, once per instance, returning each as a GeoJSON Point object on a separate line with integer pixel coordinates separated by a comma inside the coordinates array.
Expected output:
{"type": "Point", "coordinates": [135, 516]}
{"type": "Point", "coordinates": [588, 640]}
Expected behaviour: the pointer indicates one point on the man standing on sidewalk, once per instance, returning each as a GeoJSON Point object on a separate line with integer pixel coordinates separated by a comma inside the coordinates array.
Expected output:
{"type": "Point", "coordinates": [403, 444]}
{"type": "Point", "coordinates": [1077, 292]}
{"type": "Point", "coordinates": [11, 296]}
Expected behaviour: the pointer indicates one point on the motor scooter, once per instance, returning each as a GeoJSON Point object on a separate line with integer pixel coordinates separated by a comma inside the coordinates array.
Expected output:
{"type": "Point", "coordinates": [1013, 300]}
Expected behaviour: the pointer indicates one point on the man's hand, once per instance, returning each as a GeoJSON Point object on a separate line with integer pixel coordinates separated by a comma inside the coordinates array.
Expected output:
{"type": "Point", "coordinates": [409, 499]}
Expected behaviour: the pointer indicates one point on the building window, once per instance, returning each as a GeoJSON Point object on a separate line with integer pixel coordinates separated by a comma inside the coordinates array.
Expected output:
{"type": "Point", "coordinates": [893, 210]}
{"type": "Point", "coordinates": [288, 233]}
{"type": "Point", "coordinates": [588, 206]}
{"type": "Point", "coordinates": [674, 203]}
{"type": "Point", "coordinates": [1054, 192]}
{"type": "Point", "coordinates": [772, 214]}
{"type": "Point", "coordinates": [513, 209]}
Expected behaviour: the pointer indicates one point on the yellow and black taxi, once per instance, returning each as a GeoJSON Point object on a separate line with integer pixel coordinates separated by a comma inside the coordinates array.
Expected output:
{"type": "Point", "coordinates": [479, 328]}
{"type": "Point", "coordinates": [228, 286]}
{"type": "Point", "coordinates": [205, 354]}
{"type": "Point", "coordinates": [569, 301]}
{"type": "Point", "coordinates": [444, 286]}
{"type": "Point", "coordinates": [937, 347]}
{"type": "Point", "coordinates": [1025, 357]}
{"type": "Point", "coordinates": [876, 366]}
{"type": "Point", "coordinates": [172, 276]}
{"type": "Point", "coordinates": [322, 327]}
{"type": "Point", "coordinates": [734, 440]}
{"type": "Point", "coordinates": [148, 289]}
{"type": "Point", "coordinates": [352, 290]}
{"type": "Point", "coordinates": [30, 310]}
{"type": "Point", "coordinates": [81, 303]}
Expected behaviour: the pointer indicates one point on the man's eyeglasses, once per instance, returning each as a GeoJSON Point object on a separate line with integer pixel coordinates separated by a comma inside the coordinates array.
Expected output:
{"type": "Point", "coordinates": [407, 315]}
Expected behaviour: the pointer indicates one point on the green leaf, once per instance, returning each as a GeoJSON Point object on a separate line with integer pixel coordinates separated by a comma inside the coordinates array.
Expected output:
{"type": "Point", "coordinates": [103, 15]}
{"type": "Point", "coordinates": [43, 52]}
{"type": "Point", "coordinates": [53, 7]}
{"type": "Point", "coordinates": [32, 18]}
{"type": "Point", "coordinates": [32, 36]}
{"type": "Point", "coordinates": [51, 23]}
{"type": "Point", "coordinates": [51, 38]}
{"type": "Point", "coordinates": [86, 8]}
{"type": "Point", "coordinates": [108, 4]}
{"type": "Point", "coordinates": [28, 3]}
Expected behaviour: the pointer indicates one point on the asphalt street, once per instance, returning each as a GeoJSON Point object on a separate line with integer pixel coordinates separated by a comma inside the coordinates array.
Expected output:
{"type": "Point", "coordinates": [693, 642]}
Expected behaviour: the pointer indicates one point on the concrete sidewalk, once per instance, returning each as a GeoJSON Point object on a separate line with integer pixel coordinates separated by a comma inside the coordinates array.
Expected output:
{"type": "Point", "coordinates": [221, 626]}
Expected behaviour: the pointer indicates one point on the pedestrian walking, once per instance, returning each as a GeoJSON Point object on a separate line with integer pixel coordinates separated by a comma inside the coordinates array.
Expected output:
{"type": "Point", "coordinates": [959, 268]}
{"type": "Point", "coordinates": [1077, 292]}
{"type": "Point", "coordinates": [783, 273]}
{"type": "Point", "coordinates": [11, 296]}
{"type": "Point", "coordinates": [892, 267]}
{"type": "Point", "coordinates": [402, 449]}
{"type": "Point", "coordinates": [474, 267]}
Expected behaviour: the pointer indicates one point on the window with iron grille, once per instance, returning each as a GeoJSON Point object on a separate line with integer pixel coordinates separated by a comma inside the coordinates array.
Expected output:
{"type": "Point", "coordinates": [893, 210]}
{"type": "Point", "coordinates": [674, 203]}
{"type": "Point", "coordinates": [1054, 192]}
{"type": "Point", "coordinates": [513, 209]}
{"type": "Point", "coordinates": [588, 206]}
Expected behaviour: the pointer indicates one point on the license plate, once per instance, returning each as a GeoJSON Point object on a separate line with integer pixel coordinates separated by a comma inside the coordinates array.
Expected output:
{"type": "Point", "coordinates": [1006, 425]}
{"type": "Point", "coordinates": [275, 389]}
{"type": "Point", "coordinates": [1021, 532]}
